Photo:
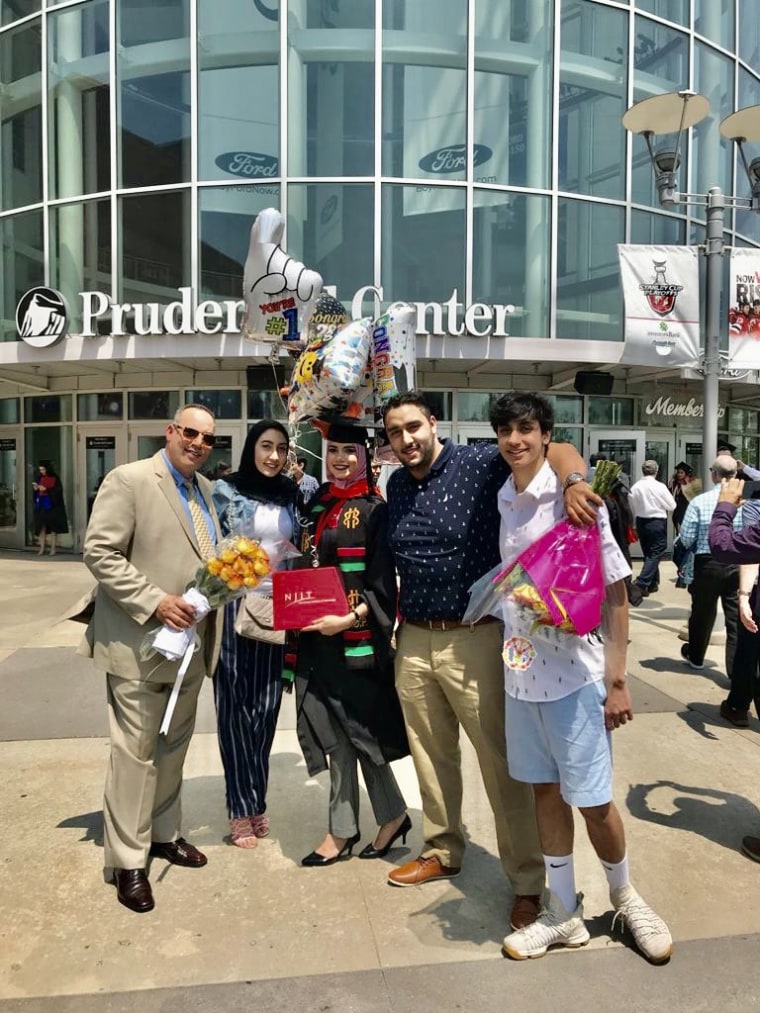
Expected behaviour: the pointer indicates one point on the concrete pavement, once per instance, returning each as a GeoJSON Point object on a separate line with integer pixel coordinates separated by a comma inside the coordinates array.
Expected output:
{"type": "Point", "coordinates": [254, 929]}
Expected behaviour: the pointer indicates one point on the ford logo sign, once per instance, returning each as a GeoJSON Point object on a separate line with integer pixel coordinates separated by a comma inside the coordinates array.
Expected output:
{"type": "Point", "coordinates": [328, 210]}
{"type": "Point", "coordinates": [248, 164]}
{"type": "Point", "coordinates": [453, 158]}
{"type": "Point", "coordinates": [268, 12]}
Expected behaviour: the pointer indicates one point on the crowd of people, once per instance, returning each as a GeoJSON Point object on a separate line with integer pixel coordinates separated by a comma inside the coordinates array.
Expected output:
{"type": "Point", "coordinates": [400, 673]}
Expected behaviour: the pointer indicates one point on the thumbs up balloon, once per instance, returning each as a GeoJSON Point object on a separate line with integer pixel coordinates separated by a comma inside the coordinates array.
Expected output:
{"type": "Point", "coordinates": [279, 292]}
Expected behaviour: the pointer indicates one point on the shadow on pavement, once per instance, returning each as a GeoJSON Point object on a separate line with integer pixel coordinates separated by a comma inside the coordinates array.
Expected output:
{"type": "Point", "coordinates": [91, 823]}
{"type": "Point", "coordinates": [712, 814]}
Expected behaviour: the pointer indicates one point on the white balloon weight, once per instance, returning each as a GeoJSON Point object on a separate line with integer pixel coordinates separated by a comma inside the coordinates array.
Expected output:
{"type": "Point", "coordinates": [279, 292]}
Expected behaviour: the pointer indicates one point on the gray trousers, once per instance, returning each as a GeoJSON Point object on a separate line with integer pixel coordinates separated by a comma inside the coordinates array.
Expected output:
{"type": "Point", "coordinates": [384, 794]}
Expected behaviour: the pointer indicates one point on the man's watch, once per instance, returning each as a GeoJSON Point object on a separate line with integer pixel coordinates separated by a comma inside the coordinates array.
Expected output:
{"type": "Point", "coordinates": [572, 479]}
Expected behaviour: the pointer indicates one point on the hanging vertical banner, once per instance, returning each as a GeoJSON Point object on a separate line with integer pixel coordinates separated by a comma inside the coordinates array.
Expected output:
{"type": "Point", "coordinates": [744, 311]}
{"type": "Point", "coordinates": [661, 292]}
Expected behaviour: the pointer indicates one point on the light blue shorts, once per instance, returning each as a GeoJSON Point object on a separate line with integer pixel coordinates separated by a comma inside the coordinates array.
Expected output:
{"type": "Point", "coordinates": [563, 742]}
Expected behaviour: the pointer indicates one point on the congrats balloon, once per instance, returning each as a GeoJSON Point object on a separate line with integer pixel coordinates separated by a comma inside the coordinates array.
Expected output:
{"type": "Point", "coordinates": [279, 292]}
{"type": "Point", "coordinates": [394, 354]}
{"type": "Point", "coordinates": [394, 365]}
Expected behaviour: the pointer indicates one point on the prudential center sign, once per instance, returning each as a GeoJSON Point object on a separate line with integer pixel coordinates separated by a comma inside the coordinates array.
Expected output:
{"type": "Point", "coordinates": [42, 316]}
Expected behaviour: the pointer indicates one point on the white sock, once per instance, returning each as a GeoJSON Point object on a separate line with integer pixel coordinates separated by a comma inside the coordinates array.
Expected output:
{"type": "Point", "coordinates": [617, 874]}
{"type": "Point", "coordinates": [560, 874]}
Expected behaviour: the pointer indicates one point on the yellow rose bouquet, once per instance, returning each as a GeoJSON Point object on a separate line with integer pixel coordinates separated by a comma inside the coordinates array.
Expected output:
{"type": "Point", "coordinates": [238, 566]}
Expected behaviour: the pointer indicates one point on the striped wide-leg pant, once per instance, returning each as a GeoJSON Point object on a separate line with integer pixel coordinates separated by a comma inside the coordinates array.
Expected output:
{"type": "Point", "coordinates": [248, 691]}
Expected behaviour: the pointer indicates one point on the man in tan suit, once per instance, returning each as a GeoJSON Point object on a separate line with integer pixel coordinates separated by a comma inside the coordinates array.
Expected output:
{"type": "Point", "coordinates": [144, 543]}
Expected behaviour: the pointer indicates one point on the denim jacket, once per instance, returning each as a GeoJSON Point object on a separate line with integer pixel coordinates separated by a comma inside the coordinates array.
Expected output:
{"type": "Point", "coordinates": [237, 511]}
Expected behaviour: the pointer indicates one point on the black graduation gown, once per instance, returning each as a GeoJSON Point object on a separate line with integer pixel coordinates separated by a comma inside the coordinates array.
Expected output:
{"type": "Point", "coordinates": [362, 701]}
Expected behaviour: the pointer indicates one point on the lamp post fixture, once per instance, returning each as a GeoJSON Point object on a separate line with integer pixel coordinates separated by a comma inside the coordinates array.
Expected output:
{"type": "Point", "coordinates": [673, 113]}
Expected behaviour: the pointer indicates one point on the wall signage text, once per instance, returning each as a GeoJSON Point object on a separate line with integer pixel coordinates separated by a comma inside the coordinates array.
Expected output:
{"type": "Point", "coordinates": [212, 316]}
{"type": "Point", "coordinates": [667, 407]}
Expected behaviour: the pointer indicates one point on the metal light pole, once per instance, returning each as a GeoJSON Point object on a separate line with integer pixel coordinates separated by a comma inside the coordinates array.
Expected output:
{"type": "Point", "coordinates": [672, 113]}
{"type": "Point", "coordinates": [716, 213]}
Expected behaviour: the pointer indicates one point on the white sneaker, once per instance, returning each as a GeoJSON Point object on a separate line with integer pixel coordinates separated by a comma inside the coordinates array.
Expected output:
{"type": "Point", "coordinates": [553, 927]}
{"type": "Point", "coordinates": [649, 931]}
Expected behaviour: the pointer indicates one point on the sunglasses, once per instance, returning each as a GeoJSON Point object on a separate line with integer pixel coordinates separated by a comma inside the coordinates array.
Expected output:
{"type": "Point", "coordinates": [191, 435]}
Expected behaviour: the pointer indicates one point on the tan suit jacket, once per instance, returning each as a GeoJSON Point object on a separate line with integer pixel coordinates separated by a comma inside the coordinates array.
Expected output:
{"type": "Point", "coordinates": [140, 546]}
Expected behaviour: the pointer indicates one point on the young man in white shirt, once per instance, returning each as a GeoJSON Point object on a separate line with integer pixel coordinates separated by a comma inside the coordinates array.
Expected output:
{"type": "Point", "coordinates": [565, 694]}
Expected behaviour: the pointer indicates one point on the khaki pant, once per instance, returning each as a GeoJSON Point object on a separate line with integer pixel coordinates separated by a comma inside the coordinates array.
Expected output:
{"type": "Point", "coordinates": [142, 800]}
{"type": "Point", "coordinates": [444, 680]}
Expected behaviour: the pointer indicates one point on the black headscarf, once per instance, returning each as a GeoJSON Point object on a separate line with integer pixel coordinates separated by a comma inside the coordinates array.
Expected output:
{"type": "Point", "coordinates": [280, 490]}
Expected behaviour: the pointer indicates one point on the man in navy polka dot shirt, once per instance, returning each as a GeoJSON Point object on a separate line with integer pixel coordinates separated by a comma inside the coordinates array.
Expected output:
{"type": "Point", "coordinates": [444, 533]}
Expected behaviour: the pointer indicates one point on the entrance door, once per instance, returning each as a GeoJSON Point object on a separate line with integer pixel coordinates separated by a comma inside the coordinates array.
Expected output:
{"type": "Point", "coordinates": [661, 447]}
{"type": "Point", "coordinates": [627, 447]}
{"type": "Point", "coordinates": [690, 450]}
{"type": "Point", "coordinates": [100, 449]}
{"type": "Point", "coordinates": [11, 467]}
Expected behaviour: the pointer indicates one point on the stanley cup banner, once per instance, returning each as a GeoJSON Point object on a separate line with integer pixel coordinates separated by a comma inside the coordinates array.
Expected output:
{"type": "Point", "coordinates": [661, 292]}
{"type": "Point", "coordinates": [744, 310]}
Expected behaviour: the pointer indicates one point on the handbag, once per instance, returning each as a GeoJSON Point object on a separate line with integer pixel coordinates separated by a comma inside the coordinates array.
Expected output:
{"type": "Point", "coordinates": [255, 620]}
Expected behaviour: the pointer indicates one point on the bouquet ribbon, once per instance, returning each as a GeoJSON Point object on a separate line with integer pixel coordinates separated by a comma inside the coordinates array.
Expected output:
{"type": "Point", "coordinates": [180, 645]}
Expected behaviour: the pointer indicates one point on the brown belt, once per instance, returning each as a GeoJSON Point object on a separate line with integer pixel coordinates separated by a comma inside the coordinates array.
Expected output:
{"type": "Point", "coordinates": [441, 625]}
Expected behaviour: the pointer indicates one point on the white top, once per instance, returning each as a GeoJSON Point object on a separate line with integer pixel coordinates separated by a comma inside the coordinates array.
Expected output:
{"type": "Point", "coordinates": [271, 524]}
{"type": "Point", "coordinates": [650, 498]}
{"type": "Point", "coordinates": [545, 663]}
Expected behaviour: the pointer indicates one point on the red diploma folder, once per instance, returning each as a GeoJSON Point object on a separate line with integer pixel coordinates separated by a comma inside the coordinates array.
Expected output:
{"type": "Point", "coordinates": [300, 597]}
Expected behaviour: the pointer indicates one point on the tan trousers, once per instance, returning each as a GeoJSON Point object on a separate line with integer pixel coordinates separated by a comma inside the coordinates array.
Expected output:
{"type": "Point", "coordinates": [142, 800]}
{"type": "Point", "coordinates": [452, 678]}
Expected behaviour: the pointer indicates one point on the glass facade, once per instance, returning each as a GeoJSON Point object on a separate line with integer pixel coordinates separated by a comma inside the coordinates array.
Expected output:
{"type": "Point", "coordinates": [425, 146]}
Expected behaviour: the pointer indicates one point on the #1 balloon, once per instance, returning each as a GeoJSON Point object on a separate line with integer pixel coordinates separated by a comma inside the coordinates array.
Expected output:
{"type": "Point", "coordinates": [279, 292]}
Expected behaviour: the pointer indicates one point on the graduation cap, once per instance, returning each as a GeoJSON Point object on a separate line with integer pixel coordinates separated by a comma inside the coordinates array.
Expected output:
{"type": "Point", "coordinates": [341, 430]}
{"type": "Point", "coordinates": [725, 445]}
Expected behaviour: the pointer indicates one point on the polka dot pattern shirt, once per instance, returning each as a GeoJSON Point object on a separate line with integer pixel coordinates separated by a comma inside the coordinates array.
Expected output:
{"type": "Point", "coordinates": [444, 529]}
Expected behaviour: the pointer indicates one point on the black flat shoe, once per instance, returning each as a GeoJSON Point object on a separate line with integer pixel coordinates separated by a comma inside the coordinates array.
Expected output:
{"type": "Point", "coordinates": [316, 861]}
{"type": "Point", "coordinates": [372, 852]}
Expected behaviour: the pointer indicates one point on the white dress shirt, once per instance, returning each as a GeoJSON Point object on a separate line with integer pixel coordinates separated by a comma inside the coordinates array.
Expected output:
{"type": "Point", "coordinates": [650, 498]}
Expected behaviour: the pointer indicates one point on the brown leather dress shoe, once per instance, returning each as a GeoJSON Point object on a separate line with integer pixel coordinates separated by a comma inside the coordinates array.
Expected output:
{"type": "Point", "coordinates": [421, 870]}
{"type": "Point", "coordinates": [179, 852]}
{"type": "Point", "coordinates": [525, 910]}
{"type": "Point", "coordinates": [133, 890]}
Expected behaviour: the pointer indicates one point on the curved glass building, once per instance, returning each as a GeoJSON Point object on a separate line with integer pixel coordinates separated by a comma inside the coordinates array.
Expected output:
{"type": "Point", "coordinates": [140, 138]}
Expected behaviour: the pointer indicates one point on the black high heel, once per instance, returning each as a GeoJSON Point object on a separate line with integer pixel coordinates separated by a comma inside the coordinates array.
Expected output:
{"type": "Point", "coordinates": [315, 860]}
{"type": "Point", "coordinates": [372, 852]}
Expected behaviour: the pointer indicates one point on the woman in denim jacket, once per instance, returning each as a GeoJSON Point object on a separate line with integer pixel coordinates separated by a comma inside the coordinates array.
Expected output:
{"type": "Point", "coordinates": [258, 500]}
